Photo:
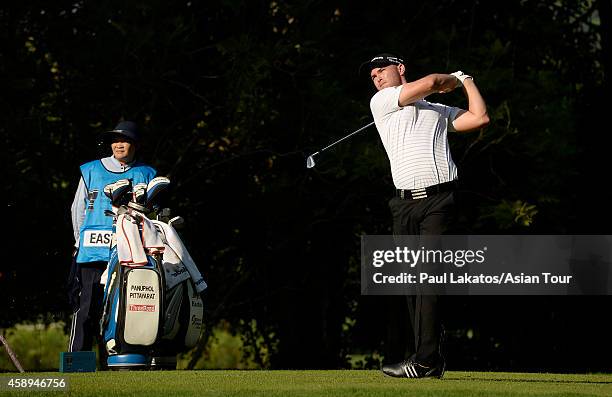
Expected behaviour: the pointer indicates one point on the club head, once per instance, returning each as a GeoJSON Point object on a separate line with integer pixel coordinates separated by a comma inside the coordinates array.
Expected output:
{"type": "Point", "coordinates": [310, 162]}
{"type": "Point", "coordinates": [140, 193]}
{"type": "Point", "coordinates": [156, 186]}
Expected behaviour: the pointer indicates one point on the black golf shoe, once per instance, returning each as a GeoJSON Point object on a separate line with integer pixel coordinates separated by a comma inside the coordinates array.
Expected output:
{"type": "Point", "coordinates": [412, 369]}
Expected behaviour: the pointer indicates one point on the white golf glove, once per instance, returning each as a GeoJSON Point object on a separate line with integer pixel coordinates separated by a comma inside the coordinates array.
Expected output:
{"type": "Point", "coordinates": [461, 77]}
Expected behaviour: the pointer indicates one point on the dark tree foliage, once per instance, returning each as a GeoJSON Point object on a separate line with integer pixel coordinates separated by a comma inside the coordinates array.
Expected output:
{"type": "Point", "coordinates": [234, 95]}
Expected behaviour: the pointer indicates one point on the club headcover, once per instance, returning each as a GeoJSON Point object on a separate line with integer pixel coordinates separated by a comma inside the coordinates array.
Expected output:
{"type": "Point", "coordinates": [140, 193]}
{"type": "Point", "coordinates": [117, 190]}
{"type": "Point", "coordinates": [155, 187]}
{"type": "Point", "coordinates": [108, 191]}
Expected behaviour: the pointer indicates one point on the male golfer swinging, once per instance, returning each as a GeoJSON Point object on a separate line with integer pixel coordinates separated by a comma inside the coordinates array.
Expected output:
{"type": "Point", "coordinates": [414, 135]}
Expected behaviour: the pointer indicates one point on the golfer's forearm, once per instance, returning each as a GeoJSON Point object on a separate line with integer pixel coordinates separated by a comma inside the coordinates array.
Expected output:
{"type": "Point", "coordinates": [416, 90]}
{"type": "Point", "coordinates": [444, 82]}
{"type": "Point", "coordinates": [430, 84]}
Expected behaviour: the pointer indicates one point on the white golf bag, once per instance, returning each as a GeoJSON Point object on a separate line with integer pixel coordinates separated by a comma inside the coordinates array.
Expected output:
{"type": "Point", "coordinates": [152, 304]}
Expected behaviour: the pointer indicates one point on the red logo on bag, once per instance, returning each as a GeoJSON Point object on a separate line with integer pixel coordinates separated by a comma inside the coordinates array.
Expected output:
{"type": "Point", "coordinates": [142, 308]}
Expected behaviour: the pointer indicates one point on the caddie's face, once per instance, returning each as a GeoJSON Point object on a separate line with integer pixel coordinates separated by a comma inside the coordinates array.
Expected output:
{"type": "Point", "coordinates": [124, 149]}
{"type": "Point", "coordinates": [387, 76]}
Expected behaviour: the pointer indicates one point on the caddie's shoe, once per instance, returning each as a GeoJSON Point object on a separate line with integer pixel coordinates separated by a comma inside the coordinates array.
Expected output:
{"type": "Point", "coordinates": [412, 369]}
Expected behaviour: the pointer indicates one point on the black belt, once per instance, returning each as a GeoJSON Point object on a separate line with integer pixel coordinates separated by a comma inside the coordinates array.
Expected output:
{"type": "Point", "coordinates": [416, 194]}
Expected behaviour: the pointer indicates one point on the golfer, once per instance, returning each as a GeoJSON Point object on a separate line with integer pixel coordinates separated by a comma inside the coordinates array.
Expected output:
{"type": "Point", "coordinates": [414, 134]}
{"type": "Point", "coordinates": [93, 229]}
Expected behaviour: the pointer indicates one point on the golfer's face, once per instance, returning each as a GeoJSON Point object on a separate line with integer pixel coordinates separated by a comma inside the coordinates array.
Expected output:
{"type": "Point", "coordinates": [387, 76]}
{"type": "Point", "coordinates": [123, 149]}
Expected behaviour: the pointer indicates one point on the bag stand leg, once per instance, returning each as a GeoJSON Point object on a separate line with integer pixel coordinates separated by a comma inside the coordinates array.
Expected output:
{"type": "Point", "coordinates": [11, 354]}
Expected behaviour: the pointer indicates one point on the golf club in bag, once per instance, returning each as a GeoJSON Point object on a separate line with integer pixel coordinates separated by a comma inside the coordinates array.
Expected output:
{"type": "Point", "coordinates": [152, 305]}
{"type": "Point", "coordinates": [310, 163]}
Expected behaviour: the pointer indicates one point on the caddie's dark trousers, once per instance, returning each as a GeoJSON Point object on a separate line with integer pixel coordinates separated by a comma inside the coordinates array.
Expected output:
{"type": "Point", "coordinates": [86, 297]}
{"type": "Point", "coordinates": [429, 216]}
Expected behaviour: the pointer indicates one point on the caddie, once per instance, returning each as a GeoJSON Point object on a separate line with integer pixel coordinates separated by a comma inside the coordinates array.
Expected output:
{"type": "Point", "coordinates": [93, 229]}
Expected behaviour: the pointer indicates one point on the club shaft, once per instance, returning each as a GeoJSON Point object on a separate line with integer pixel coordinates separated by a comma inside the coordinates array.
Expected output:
{"type": "Point", "coordinates": [346, 137]}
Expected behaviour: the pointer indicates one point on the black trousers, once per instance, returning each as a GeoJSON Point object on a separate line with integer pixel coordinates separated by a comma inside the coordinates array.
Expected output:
{"type": "Point", "coordinates": [420, 337]}
{"type": "Point", "coordinates": [86, 296]}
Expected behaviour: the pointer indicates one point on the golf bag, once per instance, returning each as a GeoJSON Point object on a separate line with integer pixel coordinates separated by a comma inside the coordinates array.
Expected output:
{"type": "Point", "coordinates": [152, 306]}
{"type": "Point", "coordinates": [131, 323]}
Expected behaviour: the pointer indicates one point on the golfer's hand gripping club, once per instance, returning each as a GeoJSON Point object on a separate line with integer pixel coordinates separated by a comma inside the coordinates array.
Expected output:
{"type": "Point", "coordinates": [461, 77]}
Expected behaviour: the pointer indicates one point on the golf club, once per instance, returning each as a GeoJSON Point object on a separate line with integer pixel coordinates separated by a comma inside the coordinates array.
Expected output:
{"type": "Point", "coordinates": [12, 355]}
{"type": "Point", "coordinates": [310, 160]}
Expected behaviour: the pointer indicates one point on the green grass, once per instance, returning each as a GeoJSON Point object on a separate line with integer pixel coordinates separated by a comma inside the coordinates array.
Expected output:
{"type": "Point", "coordinates": [327, 383]}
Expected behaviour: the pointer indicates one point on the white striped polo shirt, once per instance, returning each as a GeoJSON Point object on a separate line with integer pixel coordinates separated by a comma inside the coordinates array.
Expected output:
{"type": "Point", "coordinates": [415, 138]}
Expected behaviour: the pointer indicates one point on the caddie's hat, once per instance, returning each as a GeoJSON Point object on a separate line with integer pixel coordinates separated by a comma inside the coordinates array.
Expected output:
{"type": "Point", "coordinates": [129, 129]}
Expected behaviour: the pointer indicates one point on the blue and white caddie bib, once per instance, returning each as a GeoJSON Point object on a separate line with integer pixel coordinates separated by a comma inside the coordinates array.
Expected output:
{"type": "Point", "coordinates": [96, 231]}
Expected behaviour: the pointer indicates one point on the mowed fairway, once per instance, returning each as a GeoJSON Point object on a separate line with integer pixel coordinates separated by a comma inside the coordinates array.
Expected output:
{"type": "Point", "coordinates": [326, 383]}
